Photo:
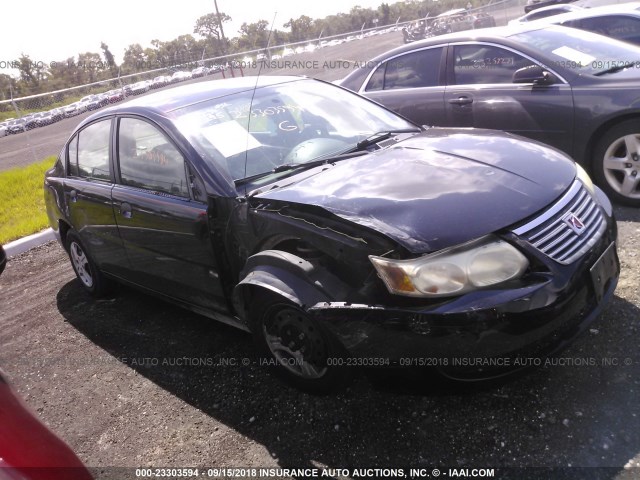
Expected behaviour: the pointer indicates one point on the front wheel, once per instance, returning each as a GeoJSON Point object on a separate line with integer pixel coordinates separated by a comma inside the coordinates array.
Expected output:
{"type": "Point", "coordinates": [91, 278]}
{"type": "Point", "coordinates": [301, 350]}
{"type": "Point", "coordinates": [616, 163]}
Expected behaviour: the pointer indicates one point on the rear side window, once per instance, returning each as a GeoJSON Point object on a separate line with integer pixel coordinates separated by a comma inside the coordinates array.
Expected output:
{"type": "Point", "coordinates": [92, 151]}
{"type": "Point", "coordinates": [413, 70]}
{"type": "Point", "coordinates": [149, 160]}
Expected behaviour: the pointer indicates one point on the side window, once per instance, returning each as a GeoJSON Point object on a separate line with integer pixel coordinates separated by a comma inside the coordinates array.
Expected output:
{"type": "Point", "coordinates": [485, 64]}
{"type": "Point", "coordinates": [73, 157]}
{"type": "Point", "coordinates": [413, 70]}
{"type": "Point", "coordinates": [93, 151]}
{"type": "Point", "coordinates": [149, 160]}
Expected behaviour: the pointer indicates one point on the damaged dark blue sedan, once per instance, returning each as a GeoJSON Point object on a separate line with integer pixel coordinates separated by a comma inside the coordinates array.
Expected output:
{"type": "Point", "coordinates": [335, 231]}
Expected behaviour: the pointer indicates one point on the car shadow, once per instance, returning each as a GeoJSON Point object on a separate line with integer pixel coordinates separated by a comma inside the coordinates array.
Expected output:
{"type": "Point", "coordinates": [580, 412]}
{"type": "Point", "coordinates": [626, 214]}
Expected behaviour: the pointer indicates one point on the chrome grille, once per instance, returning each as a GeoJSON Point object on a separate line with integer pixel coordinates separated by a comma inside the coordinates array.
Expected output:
{"type": "Point", "coordinates": [569, 228]}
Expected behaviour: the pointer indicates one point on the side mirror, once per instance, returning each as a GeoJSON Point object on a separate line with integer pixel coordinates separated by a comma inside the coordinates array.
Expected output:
{"type": "Point", "coordinates": [533, 74]}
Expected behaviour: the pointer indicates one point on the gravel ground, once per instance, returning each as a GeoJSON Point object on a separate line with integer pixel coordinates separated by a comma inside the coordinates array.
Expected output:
{"type": "Point", "coordinates": [133, 382]}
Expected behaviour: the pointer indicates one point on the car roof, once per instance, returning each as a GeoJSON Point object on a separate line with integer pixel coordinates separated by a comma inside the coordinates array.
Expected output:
{"type": "Point", "coordinates": [166, 101]}
{"type": "Point", "coordinates": [621, 8]}
{"type": "Point", "coordinates": [567, 7]}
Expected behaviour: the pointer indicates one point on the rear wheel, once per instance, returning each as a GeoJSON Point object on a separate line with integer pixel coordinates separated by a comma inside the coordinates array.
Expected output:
{"type": "Point", "coordinates": [91, 278]}
{"type": "Point", "coordinates": [301, 350]}
{"type": "Point", "coordinates": [616, 163]}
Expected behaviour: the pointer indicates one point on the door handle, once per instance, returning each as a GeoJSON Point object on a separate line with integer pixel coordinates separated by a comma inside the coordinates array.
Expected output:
{"type": "Point", "coordinates": [463, 100]}
{"type": "Point", "coordinates": [73, 196]}
{"type": "Point", "coordinates": [125, 210]}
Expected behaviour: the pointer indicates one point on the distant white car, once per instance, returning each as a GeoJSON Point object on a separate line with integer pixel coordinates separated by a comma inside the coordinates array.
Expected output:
{"type": "Point", "coordinates": [545, 12]}
{"type": "Point", "coordinates": [3, 130]}
{"type": "Point", "coordinates": [140, 87]}
{"type": "Point", "coordinates": [74, 108]}
{"type": "Point", "coordinates": [199, 72]}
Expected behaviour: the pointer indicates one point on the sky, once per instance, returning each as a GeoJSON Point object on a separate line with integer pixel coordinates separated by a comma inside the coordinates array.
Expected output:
{"type": "Point", "coordinates": [49, 30]}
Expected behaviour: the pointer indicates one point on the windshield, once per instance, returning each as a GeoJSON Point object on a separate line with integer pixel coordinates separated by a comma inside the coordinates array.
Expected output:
{"type": "Point", "coordinates": [580, 51]}
{"type": "Point", "coordinates": [290, 123]}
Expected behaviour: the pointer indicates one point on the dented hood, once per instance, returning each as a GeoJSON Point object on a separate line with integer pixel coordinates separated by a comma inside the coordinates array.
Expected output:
{"type": "Point", "coordinates": [440, 188]}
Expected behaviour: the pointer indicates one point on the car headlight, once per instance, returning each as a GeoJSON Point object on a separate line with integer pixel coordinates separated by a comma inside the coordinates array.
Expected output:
{"type": "Point", "coordinates": [583, 176]}
{"type": "Point", "coordinates": [453, 271]}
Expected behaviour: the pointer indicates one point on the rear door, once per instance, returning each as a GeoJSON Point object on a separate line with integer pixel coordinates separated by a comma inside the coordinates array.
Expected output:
{"type": "Point", "coordinates": [480, 93]}
{"type": "Point", "coordinates": [87, 192]}
{"type": "Point", "coordinates": [164, 229]}
{"type": "Point", "coordinates": [411, 84]}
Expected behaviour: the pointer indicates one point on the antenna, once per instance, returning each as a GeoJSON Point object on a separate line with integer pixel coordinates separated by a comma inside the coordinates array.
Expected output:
{"type": "Point", "coordinates": [253, 94]}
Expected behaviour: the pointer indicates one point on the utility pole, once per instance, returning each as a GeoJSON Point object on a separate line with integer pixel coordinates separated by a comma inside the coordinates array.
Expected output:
{"type": "Point", "coordinates": [224, 40]}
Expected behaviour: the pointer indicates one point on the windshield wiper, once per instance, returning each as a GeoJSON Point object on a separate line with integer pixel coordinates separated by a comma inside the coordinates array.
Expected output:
{"type": "Point", "coordinates": [379, 136]}
{"type": "Point", "coordinates": [615, 69]}
{"type": "Point", "coordinates": [297, 166]}
{"type": "Point", "coordinates": [315, 163]}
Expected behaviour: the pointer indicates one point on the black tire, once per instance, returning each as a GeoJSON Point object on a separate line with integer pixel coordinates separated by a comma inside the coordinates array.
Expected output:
{"type": "Point", "coordinates": [616, 163]}
{"type": "Point", "coordinates": [300, 350]}
{"type": "Point", "coordinates": [90, 276]}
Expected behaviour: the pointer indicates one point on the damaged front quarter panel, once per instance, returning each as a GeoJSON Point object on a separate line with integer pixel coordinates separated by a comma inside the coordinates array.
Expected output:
{"type": "Point", "coordinates": [303, 253]}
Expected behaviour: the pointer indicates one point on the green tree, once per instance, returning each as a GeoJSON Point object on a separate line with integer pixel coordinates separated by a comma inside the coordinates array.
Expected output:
{"type": "Point", "coordinates": [133, 59]}
{"type": "Point", "coordinates": [253, 35]}
{"type": "Point", "coordinates": [302, 28]}
{"type": "Point", "coordinates": [208, 27]}
{"type": "Point", "coordinates": [91, 65]}
{"type": "Point", "coordinates": [31, 73]}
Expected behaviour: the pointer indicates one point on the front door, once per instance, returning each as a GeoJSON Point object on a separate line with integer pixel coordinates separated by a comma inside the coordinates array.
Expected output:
{"type": "Point", "coordinates": [164, 230]}
{"type": "Point", "coordinates": [480, 93]}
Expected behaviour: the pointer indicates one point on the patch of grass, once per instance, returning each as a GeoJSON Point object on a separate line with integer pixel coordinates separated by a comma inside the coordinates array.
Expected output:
{"type": "Point", "coordinates": [22, 210]}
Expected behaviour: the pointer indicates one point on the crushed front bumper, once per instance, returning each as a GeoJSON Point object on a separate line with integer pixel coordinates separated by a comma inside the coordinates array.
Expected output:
{"type": "Point", "coordinates": [487, 329]}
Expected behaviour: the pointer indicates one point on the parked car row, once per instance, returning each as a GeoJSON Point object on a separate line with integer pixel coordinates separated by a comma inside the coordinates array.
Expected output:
{"type": "Point", "coordinates": [276, 54]}
{"type": "Point", "coordinates": [456, 20]}
{"type": "Point", "coordinates": [41, 119]}
{"type": "Point", "coordinates": [91, 102]}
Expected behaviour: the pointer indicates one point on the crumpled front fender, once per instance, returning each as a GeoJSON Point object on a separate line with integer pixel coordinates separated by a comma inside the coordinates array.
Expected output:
{"type": "Point", "coordinates": [290, 276]}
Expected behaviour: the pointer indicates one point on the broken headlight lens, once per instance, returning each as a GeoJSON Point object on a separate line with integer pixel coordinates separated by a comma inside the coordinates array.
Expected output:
{"type": "Point", "coordinates": [481, 263]}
